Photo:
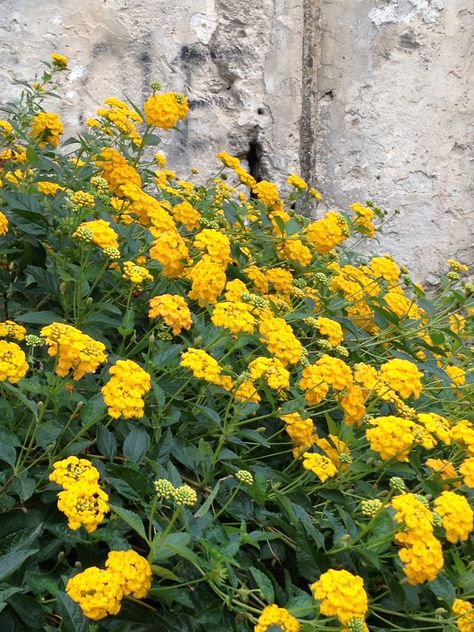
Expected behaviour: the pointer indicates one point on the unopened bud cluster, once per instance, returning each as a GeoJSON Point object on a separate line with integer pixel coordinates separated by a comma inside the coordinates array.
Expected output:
{"type": "Point", "coordinates": [245, 477]}
{"type": "Point", "coordinates": [370, 507]}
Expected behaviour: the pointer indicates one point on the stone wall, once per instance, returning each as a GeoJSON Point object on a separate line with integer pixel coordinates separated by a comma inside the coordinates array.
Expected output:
{"type": "Point", "coordinates": [366, 98]}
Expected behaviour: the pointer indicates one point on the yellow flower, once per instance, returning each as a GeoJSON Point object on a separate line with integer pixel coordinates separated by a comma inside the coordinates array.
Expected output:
{"type": "Point", "coordinates": [457, 323]}
{"type": "Point", "coordinates": [6, 128]}
{"type": "Point", "coordinates": [125, 390]}
{"type": "Point", "coordinates": [320, 465]}
{"type": "Point", "coordinates": [171, 251]}
{"type": "Point", "coordinates": [84, 504]}
{"type": "Point", "coordinates": [234, 316]}
{"type": "Point", "coordinates": [49, 188]}
{"type": "Point", "coordinates": [327, 233]}
{"type": "Point", "coordinates": [267, 192]}
{"type": "Point", "coordinates": [364, 218]}
{"type": "Point", "coordinates": [423, 560]}
{"type": "Point", "coordinates": [331, 329]}
{"type": "Point", "coordinates": [456, 514]}
{"type": "Point", "coordinates": [259, 278]}
{"type": "Point", "coordinates": [214, 244]}
{"type": "Point", "coordinates": [102, 234]}
{"type": "Point", "coordinates": [465, 615]}
{"type": "Point", "coordinates": [228, 160]}
{"type": "Point", "coordinates": [273, 616]}
{"type": "Point", "coordinates": [204, 367]}
{"type": "Point", "coordinates": [437, 425]}
{"type": "Point", "coordinates": [353, 405]}
{"type": "Point", "coordinates": [174, 311]}
{"type": "Point", "coordinates": [467, 470]}
{"type": "Point", "coordinates": [463, 433]}
{"type": "Point", "coordinates": [295, 251]}
{"type": "Point", "coordinates": [47, 128]}
{"type": "Point", "coordinates": [402, 376]}
{"type": "Point", "coordinates": [74, 350]}
{"type": "Point", "coordinates": [457, 266]}
{"type": "Point", "coordinates": [280, 340]}
{"type": "Point", "coordinates": [301, 432]}
{"type": "Point", "coordinates": [414, 516]}
{"type": "Point", "coordinates": [3, 224]}
{"type": "Point", "coordinates": [208, 281]}
{"type": "Point", "coordinates": [391, 437]}
{"type": "Point", "coordinates": [13, 364]}
{"type": "Point", "coordinates": [160, 159]}
{"type": "Point", "coordinates": [272, 371]}
{"type": "Point", "coordinates": [342, 595]}
{"type": "Point", "coordinates": [165, 110]}
{"type": "Point", "coordinates": [135, 274]}
{"type": "Point", "coordinates": [457, 375]}
{"type": "Point", "coordinates": [246, 392]}
{"type": "Point", "coordinates": [334, 448]}
{"type": "Point", "coordinates": [385, 268]}
{"type": "Point", "coordinates": [132, 571]}
{"type": "Point", "coordinates": [117, 171]}
{"type": "Point", "coordinates": [60, 61]}
{"type": "Point", "coordinates": [281, 279]}
{"type": "Point", "coordinates": [445, 469]}
{"type": "Point", "coordinates": [10, 329]}
{"type": "Point", "coordinates": [98, 593]}
{"type": "Point", "coordinates": [186, 214]}
{"type": "Point", "coordinates": [72, 470]}
{"type": "Point", "coordinates": [296, 181]}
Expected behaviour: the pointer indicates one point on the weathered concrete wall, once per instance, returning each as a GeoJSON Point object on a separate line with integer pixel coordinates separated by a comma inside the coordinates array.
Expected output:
{"type": "Point", "coordinates": [396, 120]}
{"type": "Point", "coordinates": [367, 98]}
{"type": "Point", "coordinates": [239, 64]}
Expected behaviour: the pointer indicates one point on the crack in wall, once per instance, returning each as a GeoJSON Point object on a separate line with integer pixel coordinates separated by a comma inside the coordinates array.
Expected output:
{"type": "Point", "coordinates": [309, 64]}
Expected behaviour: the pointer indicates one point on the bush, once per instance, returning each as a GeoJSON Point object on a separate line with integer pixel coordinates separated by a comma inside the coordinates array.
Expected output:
{"type": "Point", "coordinates": [216, 413]}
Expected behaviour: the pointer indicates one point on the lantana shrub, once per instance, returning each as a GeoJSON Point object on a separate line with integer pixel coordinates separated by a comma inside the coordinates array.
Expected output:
{"type": "Point", "coordinates": [216, 413]}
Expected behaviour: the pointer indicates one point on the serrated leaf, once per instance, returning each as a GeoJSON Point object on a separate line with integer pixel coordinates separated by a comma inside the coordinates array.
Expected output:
{"type": "Point", "coordinates": [163, 572]}
{"type": "Point", "coordinates": [209, 500]}
{"type": "Point", "coordinates": [136, 444]}
{"type": "Point", "coordinates": [12, 561]}
{"type": "Point", "coordinates": [263, 583]}
{"type": "Point", "coordinates": [73, 619]}
{"type": "Point", "coordinates": [8, 454]}
{"type": "Point", "coordinates": [106, 441]}
{"type": "Point", "coordinates": [132, 519]}
{"type": "Point", "coordinates": [171, 545]}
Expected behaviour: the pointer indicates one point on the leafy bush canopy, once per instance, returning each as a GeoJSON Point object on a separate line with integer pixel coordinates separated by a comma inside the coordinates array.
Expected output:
{"type": "Point", "coordinates": [217, 414]}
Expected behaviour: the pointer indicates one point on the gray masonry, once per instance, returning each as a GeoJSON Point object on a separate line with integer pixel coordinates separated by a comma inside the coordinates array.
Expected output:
{"type": "Point", "coordinates": [365, 98]}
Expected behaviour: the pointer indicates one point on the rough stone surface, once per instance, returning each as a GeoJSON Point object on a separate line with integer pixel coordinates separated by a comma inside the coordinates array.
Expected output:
{"type": "Point", "coordinates": [396, 121]}
{"type": "Point", "coordinates": [367, 98]}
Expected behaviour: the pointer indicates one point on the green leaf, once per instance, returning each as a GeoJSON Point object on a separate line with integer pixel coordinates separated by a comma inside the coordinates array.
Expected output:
{"type": "Point", "coordinates": [443, 589]}
{"type": "Point", "coordinates": [301, 606]}
{"type": "Point", "coordinates": [264, 584]}
{"type": "Point", "coordinates": [8, 454]}
{"type": "Point", "coordinates": [292, 227]}
{"type": "Point", "coordinates": [128, 323]}
{"type": "Point", "coordinates": [163, 572]}
{"type": "Point", "coordinates": [73, 619]}
{"type": "Point", "coordinates": [136, 444]}
{"type": "Point", "coordinates": [205, 507]}
{"type": "Point", "coordinates": [12, 561]}
{"type": "Point", "coordinates": [132, 519]}
{"type": "Point", "coordinates": [171, 545]}
{"type": "Point", "coordinates": [93, 410]}
{"type": "Point", "coordinates": [106, 441]}
{"type": "Point", "coordinates": [40, 318]}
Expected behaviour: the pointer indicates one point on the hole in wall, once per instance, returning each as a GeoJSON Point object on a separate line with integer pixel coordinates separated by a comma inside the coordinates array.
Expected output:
{"type": "Point", "coordinates": [253, 157]}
